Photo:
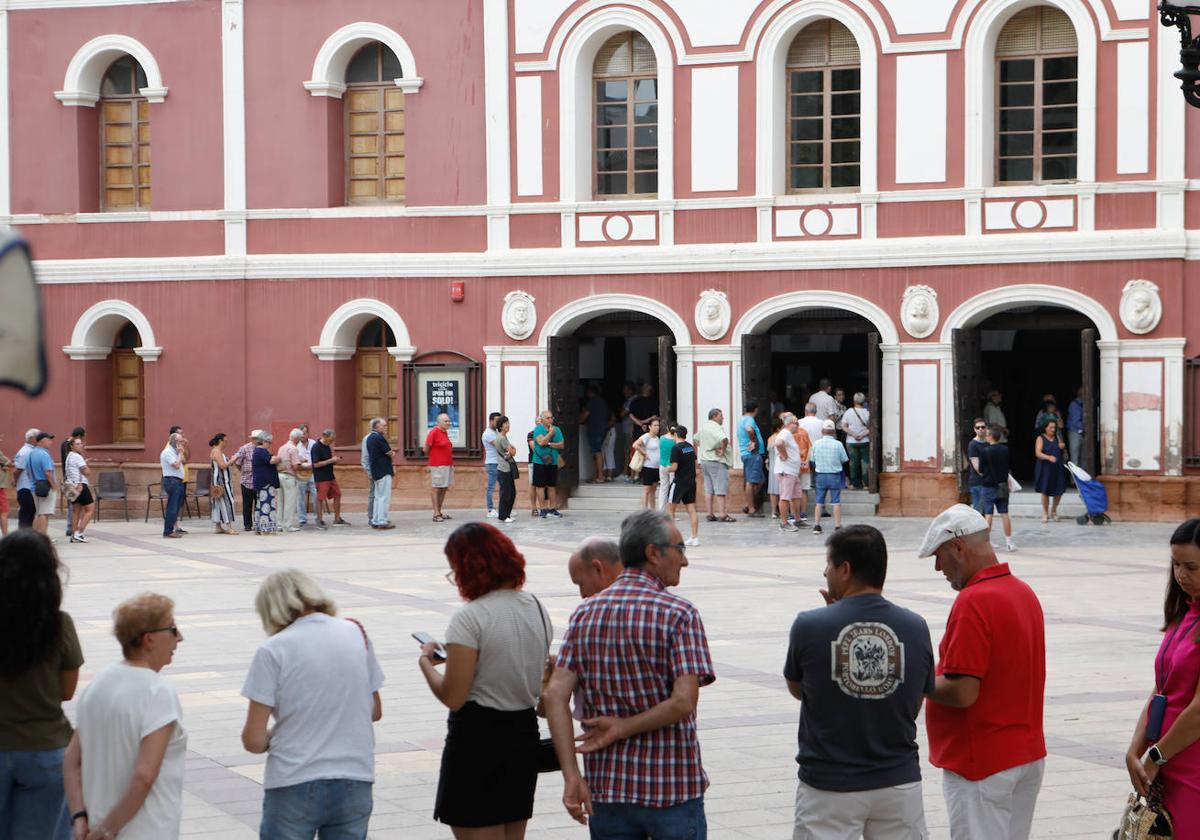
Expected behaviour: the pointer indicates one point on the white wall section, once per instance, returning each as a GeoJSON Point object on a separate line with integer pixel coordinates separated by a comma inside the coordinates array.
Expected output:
{"type": "Point", "coordinates": [712, 391]}
{"type": "Point", "coordinates": [714, 128]}
{"type": "Point", "coordinates": [520, 401]}
{"type": "Point", "coordinates": [529, 135]}
{"type": "Point", "coordinates": [920, 413]}
{"type": "Point", "coordinates": [1141, 415]}
{"type": "Point", "coordinates": [1133, 106]}
{"type": "Point", "coordinates": [912, 17]}
{"type": "Point", "coordinates": [921, 119]}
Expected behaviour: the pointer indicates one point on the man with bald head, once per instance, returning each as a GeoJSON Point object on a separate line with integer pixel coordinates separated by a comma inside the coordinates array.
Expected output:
{"type": "Point", "coordinates": [594, 565]}
{"type": "Point", "coordinates": [985, 718]}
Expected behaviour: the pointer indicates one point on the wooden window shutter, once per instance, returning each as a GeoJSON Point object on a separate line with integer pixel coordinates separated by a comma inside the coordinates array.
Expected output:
{"type": "Point", "coordinates": [627, 54]}
{"type": "Point", "coordinates": [822, 43]}
{"type": "Point", "coordinates": [1040, 29]}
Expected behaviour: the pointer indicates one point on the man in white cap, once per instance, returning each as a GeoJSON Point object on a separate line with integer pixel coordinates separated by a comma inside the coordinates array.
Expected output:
{"type": "Point", "coordinates": [985, 721]}
{"type": "Point", "coordinates": [827, 457]}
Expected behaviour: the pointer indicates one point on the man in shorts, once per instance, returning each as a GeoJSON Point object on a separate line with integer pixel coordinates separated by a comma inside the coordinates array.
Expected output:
{"type": "Point", "coordinates": [41, 466]}
{"type": "Point", "coordinates": [441, 463]}
{"type": "Point", "coordinates": [595, 420]}
{"type": "Point", "coordinates": [828, 455]}
{"type": "Point", "coordinates": [547, 444]}
{"type": "Point", "coordinates": [323, 460]}
{"type": "Point", "coordinates": [789, 465]}
{"type": "Point", "coordinates": [712, 445]}
{"type": "Point", "coordinates": [683, 482]}
{"type": "Point", "coordinates": [751, 449]}
{"type": "Point", "coordinates": [995, 495]}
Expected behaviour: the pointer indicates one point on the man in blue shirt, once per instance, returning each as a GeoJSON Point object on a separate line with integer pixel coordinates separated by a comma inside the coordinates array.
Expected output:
{"type": "Point", "coordinates": [1075, 426]}
{"type": "Point", "coordinates": [827, 456]}
{"type": "Point", "coordinates": [41, 467]}
{"type": "Point", "coordinates": [26, 508]}
{"type": "Point", "coordinates": [751, 448]}
{"type": "Point", "coordinates": [547, 443]}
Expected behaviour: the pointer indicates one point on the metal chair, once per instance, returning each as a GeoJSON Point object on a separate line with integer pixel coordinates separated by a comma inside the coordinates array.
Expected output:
{"type": "Point", "coordinates": [112, 486]}
{"type": "Point", "coordinates": [155, 491]}
{"type": "Point", "coordinates": [201, 489]}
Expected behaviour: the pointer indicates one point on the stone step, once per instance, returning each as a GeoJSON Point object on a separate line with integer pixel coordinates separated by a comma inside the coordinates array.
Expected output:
{"type": "Point", "coordinates": [1027, 504]}
{"type": "Point", "coordinates": [619, 496]}
{"type": "Point", "coordinates": [618, 489]}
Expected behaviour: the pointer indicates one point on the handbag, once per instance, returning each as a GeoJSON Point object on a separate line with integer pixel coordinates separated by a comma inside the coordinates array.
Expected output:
{"type": "Point", "coordinates": [216, 491]}
{"type": "Point", "coordinates": [547, 758]}
{"type": "Point", "coordinates": [71, 490]}
{"type": "Point", "coordinates": [637, 461]}
{"type": "Point", "coordinates": [1014, 486]}
{"type": "Point", "coordinates": [41, 488]}
{"type": "Point", "coordinates": [1145, 819]}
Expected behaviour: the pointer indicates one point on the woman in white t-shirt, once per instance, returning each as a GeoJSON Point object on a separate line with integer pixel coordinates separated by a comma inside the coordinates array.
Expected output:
{"type": "Point", "coordinates": [76, 472]}
{"type": "Point", "coordinates": [787, 472]}
{"type": "Point", "coordinates": [317, 675]}
{"type": "Point", "coordinates": [647, 444]}
{"type": "Point", "coordinates": [496, 648]}
{"type": "Point", "coordinates": [123, 770]}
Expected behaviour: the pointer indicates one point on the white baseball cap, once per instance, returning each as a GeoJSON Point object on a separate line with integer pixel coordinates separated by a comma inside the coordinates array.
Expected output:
{"type": "Point", "coordinates": [829, 426]}
{"type": "Point", "coordinates": [956, 521]}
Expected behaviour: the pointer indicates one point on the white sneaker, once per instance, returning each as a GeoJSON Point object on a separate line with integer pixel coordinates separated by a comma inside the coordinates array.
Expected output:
{"type": "Point", "coordinates": [293, 529]}
{"type": "Point", "coordinates": [508, 521]}
{"type": "Point", "coordinates": [493, 514]}
{"type": "Point", "coordinates": [81, 537]}
{"type": "Point", "coordinates": [1009, 545]}
{"type": "Point", "coordinates": [692, 542]}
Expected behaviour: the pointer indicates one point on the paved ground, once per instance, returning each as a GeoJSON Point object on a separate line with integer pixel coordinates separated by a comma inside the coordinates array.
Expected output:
{"type": "Point", "coordinates": [1100, 587]}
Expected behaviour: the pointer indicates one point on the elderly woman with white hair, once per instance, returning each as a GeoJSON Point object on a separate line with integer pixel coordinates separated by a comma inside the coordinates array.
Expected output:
{"type": "Point", "coordinates": [266, 484]}
{"type": "Point", "coordinates": [317, 675]}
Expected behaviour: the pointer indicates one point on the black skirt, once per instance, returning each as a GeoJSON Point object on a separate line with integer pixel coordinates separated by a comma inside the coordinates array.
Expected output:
{"type": "Point", "coordinates": [649, 476]}
{"type": "Point", "coordinates": [489, 767]}
{"type": "Point", "coordinates": [85, 496]}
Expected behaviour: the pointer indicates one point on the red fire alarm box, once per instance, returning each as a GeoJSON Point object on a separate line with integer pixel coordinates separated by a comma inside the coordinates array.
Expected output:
{"type": "Point", "coordinates": [458, 290]}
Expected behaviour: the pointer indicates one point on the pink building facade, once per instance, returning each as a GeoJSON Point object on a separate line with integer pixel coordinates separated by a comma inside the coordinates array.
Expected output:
{"type": "Point", "coordinates": [924, 201]}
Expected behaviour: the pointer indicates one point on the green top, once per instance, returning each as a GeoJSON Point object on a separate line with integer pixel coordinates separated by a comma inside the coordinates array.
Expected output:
{"type": "Point", "coordinates": [31, 715]}
{"type": "Point", "coordinates": [665, 444]}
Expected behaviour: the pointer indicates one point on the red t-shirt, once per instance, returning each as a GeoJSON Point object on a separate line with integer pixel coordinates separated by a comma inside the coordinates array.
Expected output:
{"type": "Point", "coordinates": [996, 633]}
{"type": "Point", "coordinates": [439, 449]}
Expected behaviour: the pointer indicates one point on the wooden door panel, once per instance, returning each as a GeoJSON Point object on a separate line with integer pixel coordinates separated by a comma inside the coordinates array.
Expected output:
{"type": "Point", "coordinates": [562, 359]}
{"type": "Point", "coordinates": [756, 378]}
{"type": "Point", "coordinates": [666, 381]}
{"type": "Point", "coordinates": [967, 352]}
{"type": "Point", "coordinates": [1090, 361]}
{"type": "Point", "coordinates": [875, 405]}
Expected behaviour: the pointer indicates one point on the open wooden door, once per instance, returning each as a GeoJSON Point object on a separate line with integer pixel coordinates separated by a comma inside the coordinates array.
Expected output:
{"type": "Point", "coordinates": [875, 406]}
{"type": "Point", "coordinates": [967, 353]}
{"type": "Point", "coordinates": [666, 381]}
{"type": "Point", "coordinates": [1089, 455]}
{"type": "Point", "coordinates": [562, 363]}
{"type": "Point", "coordinates": [756, 379]}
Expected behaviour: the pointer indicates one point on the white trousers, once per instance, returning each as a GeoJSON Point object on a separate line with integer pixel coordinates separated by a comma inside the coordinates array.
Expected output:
{"type": "Point", "coordinates": [999, 807]}
{"type": "Point", "coordinates": [664, 484]}
{"type": "Point", "coordinates": [891, 813]}
{"type": "Point", "coordinates": [289, 491]}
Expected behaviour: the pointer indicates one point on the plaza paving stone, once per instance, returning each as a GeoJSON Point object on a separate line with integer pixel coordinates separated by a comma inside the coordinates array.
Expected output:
{"type": "Point", "coordinates": [1101, 588]}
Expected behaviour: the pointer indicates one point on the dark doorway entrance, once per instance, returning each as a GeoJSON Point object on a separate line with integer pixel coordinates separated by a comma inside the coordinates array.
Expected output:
{"type": "Point", "coordinates": [1026, 353]}
{"type": "Point", "coordinates": [607, 352]}
{"type": "Point", "coordinates": [782, 367]}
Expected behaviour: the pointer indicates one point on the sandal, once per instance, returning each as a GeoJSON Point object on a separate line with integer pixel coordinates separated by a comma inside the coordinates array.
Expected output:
{"type": "Point", "coordinates": [727, 518]}
{"type": "Point", "coordinates": [438, 518]}
{"type": "Point", "coordinates": [712, 518]}
{"type": "Point", "coordinates": [1045, 519]}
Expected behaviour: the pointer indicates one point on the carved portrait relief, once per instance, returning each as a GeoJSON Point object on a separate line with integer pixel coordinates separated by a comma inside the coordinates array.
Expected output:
{"type": "Point", "coordinates": [919, 311]}
{"type": "Point", "coordinates": [1141, 307]}
{"type": "Point", "coordinates": [713, 314]}
{"type": "Point", "coordinates": [518, 315]}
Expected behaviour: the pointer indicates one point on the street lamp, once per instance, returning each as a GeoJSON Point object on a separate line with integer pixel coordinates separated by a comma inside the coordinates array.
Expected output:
{"type": "Point", "coordinates": [1189, 51]}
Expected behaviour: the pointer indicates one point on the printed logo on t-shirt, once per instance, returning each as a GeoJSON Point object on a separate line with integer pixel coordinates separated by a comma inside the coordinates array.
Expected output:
{"type": "Point", "coordinates": [868, 660]}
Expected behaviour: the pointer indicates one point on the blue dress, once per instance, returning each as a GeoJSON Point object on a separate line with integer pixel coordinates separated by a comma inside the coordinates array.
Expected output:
{"type": "Point", "coordinates": [1050, 479]}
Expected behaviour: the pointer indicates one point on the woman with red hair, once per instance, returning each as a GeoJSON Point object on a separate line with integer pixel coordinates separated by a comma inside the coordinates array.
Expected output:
{"type": "Point", "coordinates": [496, 647]}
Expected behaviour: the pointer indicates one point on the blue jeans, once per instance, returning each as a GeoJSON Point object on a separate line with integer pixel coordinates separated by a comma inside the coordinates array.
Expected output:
{"type": "Point", "coordinates": [829, 484]}
{"type": "Point", "coordinates": [621, 821]}
{"type": "Point", "coordinates": [334, 809]}
{"type": "Point", "coordinates": [976, 491]}
{"type": "Point", "coordinates": [175, 490]}
{"type": "Point", "coordinates": [752, 469]}
{"type": "Point", "coordinates": [490, 469]}
{"type": "Point", "coordinates": [303, 490]}
{"type": "Point", "coordinates": [33, 805]}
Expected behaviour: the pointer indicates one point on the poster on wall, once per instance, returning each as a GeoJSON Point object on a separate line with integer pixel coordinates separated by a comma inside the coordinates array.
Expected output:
{"type": "Point", "coordinates": [444, 392]}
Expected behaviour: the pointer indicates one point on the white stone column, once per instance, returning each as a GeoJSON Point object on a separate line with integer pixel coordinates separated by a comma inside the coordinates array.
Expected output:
{"type": "Point", "coordinates": [1110, 404]}
{"type": "Point", "coordinates": [889, 404]}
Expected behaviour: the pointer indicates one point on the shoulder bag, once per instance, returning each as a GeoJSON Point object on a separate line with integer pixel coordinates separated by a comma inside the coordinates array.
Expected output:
{"type": "Point", "coordinates": [71, 490]}
{"type": "Point", "coordinates": [637, 460]}
{"type": "Point", "coordinates": [41, 488]}
{"type": "Point", "coordinates": [1145, 819]}
{"type": "Point", "coordinates": [547, 758]}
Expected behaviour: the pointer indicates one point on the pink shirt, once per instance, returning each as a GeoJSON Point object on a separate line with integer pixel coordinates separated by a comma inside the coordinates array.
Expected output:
{"type": "Point", "coordinates": [1177, 672]}
{"type": "Point", "coordinates": [289, 458]}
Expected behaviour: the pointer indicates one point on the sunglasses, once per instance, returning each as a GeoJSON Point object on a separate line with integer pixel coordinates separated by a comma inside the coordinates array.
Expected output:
{"type": "Point", "coordinates": [173, 630]}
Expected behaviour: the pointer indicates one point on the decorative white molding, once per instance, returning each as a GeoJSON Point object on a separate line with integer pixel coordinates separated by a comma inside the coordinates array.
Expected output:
{"type": "Point", "coordinates": [919, 311]}
{"type": "Point", "coordinates": [975, 309]}
{"type": "Point", "coordinates": [578, 312]}
{"type": "Point", "coordinates": [575, 93]}
{"type": "Point", "coordinates": [329, 67]}
{"type": "Point", "coordinates": [85, 72]}
{"type": "Point", "coordinates": [760, 317]}
{"type": "Point", "coordinates": [979, 54]}
{"type": "Point", "coordinates": [518, 316]}
{"type": "Point", "coordinates": [771, 104]}
{"type": "Point", "coordinates": [713, 314]}
{"type": "Point", "coordinates": [233, 122]}
{"type": "Point", "coordinates": [97, 329]}
{"type": "Point", "coordinates": [339, 336]}
{"type": "Point", "coordinates": [1141, 306]}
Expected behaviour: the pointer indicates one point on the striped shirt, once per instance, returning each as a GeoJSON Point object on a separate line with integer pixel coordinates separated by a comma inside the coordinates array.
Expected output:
{"type": "Point", "coordinates": [828, 455]}
{"type": "Point", "coordinates": [627, 645]}
{"type": "Point", "coordinates": [244, 460]}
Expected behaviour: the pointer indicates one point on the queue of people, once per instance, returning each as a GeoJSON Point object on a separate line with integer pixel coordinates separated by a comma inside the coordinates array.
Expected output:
{"type": "Point", "coordinates": [629, 669]}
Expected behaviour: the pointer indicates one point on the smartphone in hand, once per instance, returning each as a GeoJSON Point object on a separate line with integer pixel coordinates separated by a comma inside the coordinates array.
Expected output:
{"type": "Point", "coordinates": [425, 638]}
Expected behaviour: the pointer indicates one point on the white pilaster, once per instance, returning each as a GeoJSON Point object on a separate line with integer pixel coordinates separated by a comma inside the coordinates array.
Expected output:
{"type": "Point", "coordinates": [233, 118]}
{"type": "Point", "coordinates": [496, 125]}
{"type": "Point", "coordinates": [5, 163]}
{"type": "Point", "coordinates": [1110, 400]}
{"type": "Point", "coordinates": [889, 403]}
{"type": "Point", "coordinates": [1171, 109]}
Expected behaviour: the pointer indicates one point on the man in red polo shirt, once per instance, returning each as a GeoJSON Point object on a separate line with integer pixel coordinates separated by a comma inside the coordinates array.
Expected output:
{"type": "Point", "coordinates": [985, 721]}
{"type": "Point", "coordinates": [441, 463]}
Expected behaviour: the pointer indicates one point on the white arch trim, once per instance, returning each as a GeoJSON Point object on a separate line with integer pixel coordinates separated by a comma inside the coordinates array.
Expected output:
{"type": "Point", "coordinates": [771, 104]}
{"type": "Point", "coordinates": [97, 329]}
{"type": "Point", "coordinates": [329, 68]}
{"type": "Point", "coordinates": [973, 310]}
{"type": "Point", "coordinates": [578, 312]}
{"type": "Point", "coordinates": [339, 336]}
{"type": "Point", "coordinates": [85, 72]}
{"type": "Point", "coordinates": [980, 55]}
{"type": "Point", "coordinates": [575, 95]}
{"type": "Point", "coordinates": [764, 314]}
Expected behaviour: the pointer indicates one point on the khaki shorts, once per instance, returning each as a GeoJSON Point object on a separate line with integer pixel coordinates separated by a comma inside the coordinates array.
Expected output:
{"type": "Point", "coordinates": [441, 477]}
{"type": "Point", "coordinates": [716, 477]}
{"type": "Point", "coordinates": [789, 487]}
{"type": "Point", "coordinates": [45, 505]}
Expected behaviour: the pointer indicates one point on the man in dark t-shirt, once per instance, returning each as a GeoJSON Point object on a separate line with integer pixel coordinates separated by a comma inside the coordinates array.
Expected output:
{"type": "Point", "coordinates": [323, 460]}
{"type": "Point", "coordinates": [683, 481]}
{"type": "Point", "coordinates": [995, 495]}
{"type": "Point", "coordinates": [860, 666]}
{"type": "Point", "coordinates": [642, 409]}
{"type": "Point", "coordinates": [977, 477]}
{"type": "Point", "coordinates": [595, 420]}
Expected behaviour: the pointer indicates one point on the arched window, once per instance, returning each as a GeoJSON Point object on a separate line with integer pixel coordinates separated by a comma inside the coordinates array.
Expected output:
{"type": "Point", "coordinates": [824, 120]}
{"type": "Point", "coordinates": [376, 377]}
{"type": "Point", "coordinates": [124, 138]}
{"type": "Point", "coordinates": [1037, 125]}
{"type": "Point", "coordinates": [374, 105]}
{"type": "Point", "coordinates": [129, 419]}
{"type": "Point", "coordinates": [625, 77]}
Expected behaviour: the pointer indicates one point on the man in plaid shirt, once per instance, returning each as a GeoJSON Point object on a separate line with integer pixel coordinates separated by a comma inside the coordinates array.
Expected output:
{"type": "Point", "coordinates": [639, 656]}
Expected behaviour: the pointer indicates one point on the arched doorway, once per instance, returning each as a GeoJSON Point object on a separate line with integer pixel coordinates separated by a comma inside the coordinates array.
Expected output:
{"type": "Point", "coordinates": [375, 378]}
{"type": "Point", "coordinates": [128, 401]}
{"type": "Point", "coordinates": [1012, 360]}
